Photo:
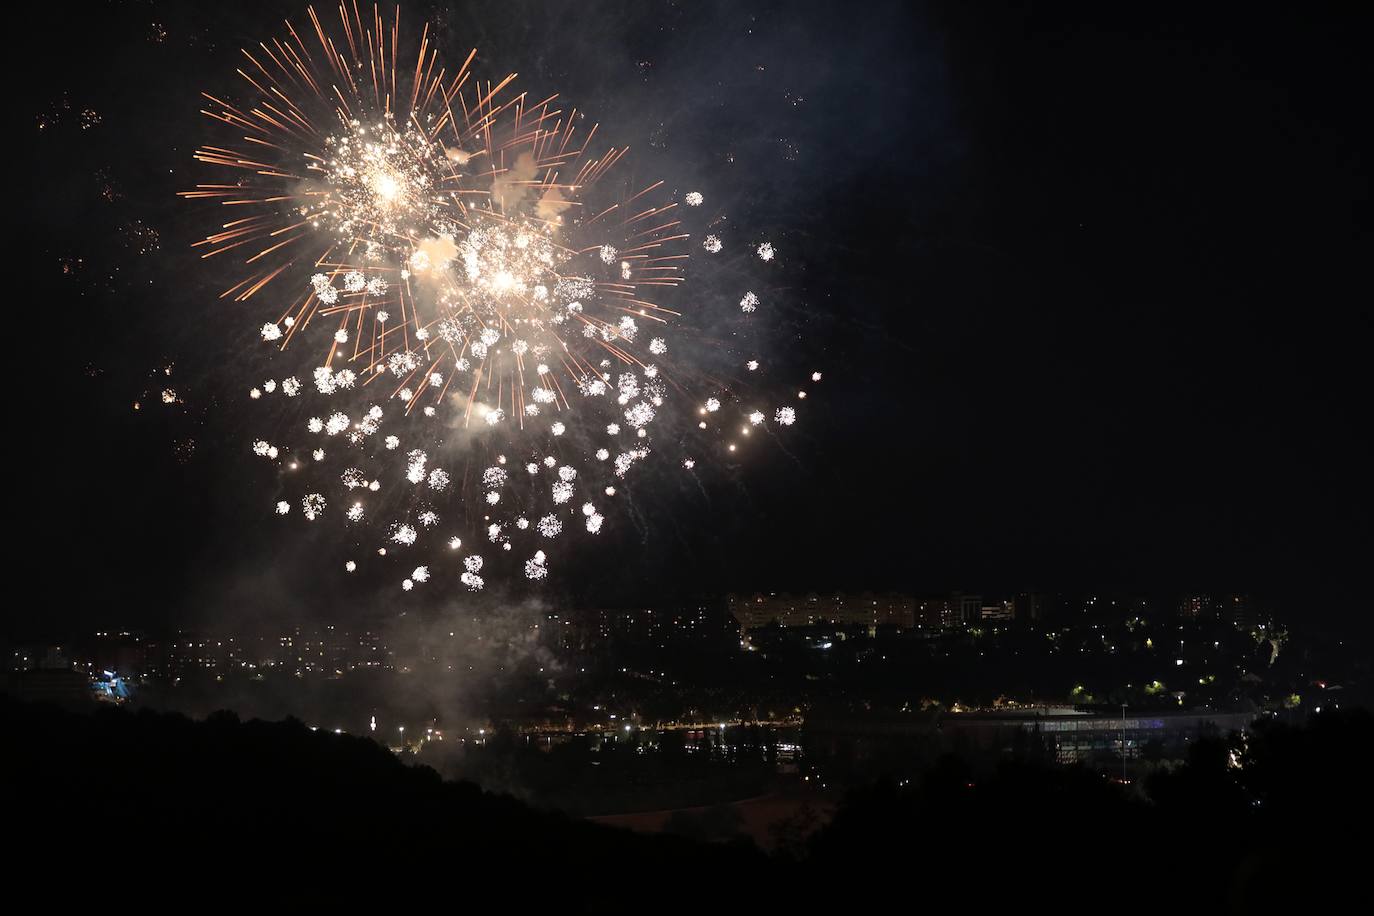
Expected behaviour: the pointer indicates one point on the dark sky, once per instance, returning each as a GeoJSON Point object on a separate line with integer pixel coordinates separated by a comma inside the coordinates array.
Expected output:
{"type": "Point", "coordinates": [1090, 291]}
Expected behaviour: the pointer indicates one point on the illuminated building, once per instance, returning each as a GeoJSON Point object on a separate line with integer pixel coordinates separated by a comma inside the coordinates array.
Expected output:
{"type": "Point", "coordinates": [812, 609]}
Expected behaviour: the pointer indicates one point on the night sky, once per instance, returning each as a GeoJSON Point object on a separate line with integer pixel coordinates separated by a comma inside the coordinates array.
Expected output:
{"type": "Point", "coordinates": [1089, 286]}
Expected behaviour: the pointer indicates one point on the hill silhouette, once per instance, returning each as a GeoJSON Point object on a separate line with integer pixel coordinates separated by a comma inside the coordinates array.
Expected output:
{"type": "Point", "coordinates": [162, 807]}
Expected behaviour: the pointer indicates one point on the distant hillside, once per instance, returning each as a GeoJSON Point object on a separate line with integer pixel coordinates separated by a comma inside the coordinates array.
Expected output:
{"type": "Point", "coordinates": [223, 806]}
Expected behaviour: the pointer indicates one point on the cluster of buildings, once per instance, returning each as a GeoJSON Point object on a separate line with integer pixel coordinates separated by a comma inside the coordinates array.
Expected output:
{"type": "Point", "coordinates": [323, 649]}
{"type": "Point", "coordinates": [1238, 610]}
{"type": "Point", "coordinates": [699, 622]}
{"type": "Point", "coordinates": [961, 610]}
{"type": "Point", "coordinates": [334, 650]}
{"type": "Point", "coordinates": [866, 609]}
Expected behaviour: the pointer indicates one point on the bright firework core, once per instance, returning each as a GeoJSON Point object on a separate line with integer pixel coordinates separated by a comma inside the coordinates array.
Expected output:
{"type": "Point", "coordinates": [515, 259]}
{"type": "Point", "coordinates": [377, 181]}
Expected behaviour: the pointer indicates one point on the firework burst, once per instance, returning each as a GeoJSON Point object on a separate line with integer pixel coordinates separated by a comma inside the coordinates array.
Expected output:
{"type": "Point", "coordinates": [464, 278]}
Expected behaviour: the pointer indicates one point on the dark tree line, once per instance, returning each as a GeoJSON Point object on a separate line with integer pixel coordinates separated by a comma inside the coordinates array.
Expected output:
{"type": "Point", "coordinates": [153, 807]}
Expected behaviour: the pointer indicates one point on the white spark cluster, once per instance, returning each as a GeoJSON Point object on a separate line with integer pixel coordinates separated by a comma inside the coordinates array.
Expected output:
{"type": "Point", "coordinates": [467, 318]}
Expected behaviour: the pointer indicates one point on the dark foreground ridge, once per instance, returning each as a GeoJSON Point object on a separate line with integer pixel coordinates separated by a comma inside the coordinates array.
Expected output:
{"type": "Point", "coordinates": [276, 807]}
{"type": "Point", "coordinates": [172, 809]}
